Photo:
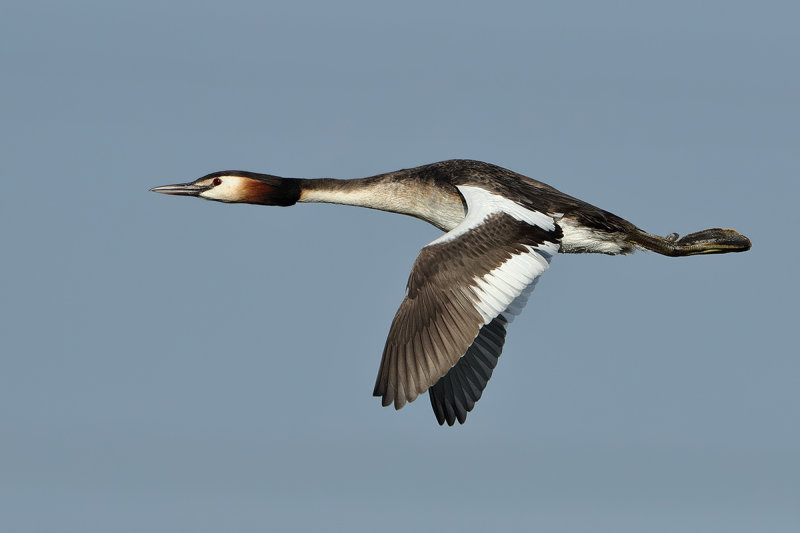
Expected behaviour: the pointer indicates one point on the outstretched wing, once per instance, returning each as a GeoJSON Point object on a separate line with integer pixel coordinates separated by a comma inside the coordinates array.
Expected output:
{"type": "Point", "coordinates": [463, 290]}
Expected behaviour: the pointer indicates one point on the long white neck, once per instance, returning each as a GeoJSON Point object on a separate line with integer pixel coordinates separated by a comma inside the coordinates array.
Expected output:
{"type": "Point", "coordinates": [434, 203]}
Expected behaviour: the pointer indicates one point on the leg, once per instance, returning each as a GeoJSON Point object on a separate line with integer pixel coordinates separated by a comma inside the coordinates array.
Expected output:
{"type": "Point", "coordinates": [709, 241]}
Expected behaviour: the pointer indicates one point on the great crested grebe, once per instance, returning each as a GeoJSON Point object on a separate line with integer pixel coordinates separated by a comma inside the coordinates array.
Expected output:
{"type": "Point", "coordinates": [466, 286]}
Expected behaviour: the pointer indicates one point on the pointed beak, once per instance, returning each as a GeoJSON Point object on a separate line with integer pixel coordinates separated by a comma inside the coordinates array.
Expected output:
{"type": "Point", "coordinates": [181, 189]}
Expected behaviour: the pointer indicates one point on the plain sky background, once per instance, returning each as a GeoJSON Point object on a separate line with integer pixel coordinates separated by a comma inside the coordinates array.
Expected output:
{"type": "Point", "coordinates": [172, 365]}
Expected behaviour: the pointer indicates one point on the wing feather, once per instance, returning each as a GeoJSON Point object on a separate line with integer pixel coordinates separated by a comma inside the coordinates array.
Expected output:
{"type": "Point", "coordinates": [463, 290]}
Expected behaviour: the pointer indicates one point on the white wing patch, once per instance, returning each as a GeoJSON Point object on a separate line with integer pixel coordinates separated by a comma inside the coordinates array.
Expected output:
{"type": "Point", "coordinates": [482, 203]}
{"type": "Point", "coordinates": [504, 290]}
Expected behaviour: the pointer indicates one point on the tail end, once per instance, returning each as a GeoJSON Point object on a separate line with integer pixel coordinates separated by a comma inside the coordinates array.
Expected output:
{"type": "Point", "coordinates": [708, 241]}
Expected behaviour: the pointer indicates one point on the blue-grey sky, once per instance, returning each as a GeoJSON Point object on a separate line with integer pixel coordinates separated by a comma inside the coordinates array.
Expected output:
{"type": "Point", "coordinates": [171, 365]}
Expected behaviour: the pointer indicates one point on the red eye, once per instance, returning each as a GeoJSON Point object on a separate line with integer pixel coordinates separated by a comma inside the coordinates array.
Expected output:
{"type": "Point", "coordinates": [216, 181]}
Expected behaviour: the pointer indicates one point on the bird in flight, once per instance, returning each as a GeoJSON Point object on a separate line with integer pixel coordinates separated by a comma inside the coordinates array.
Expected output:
{"type": "Point", "coordinates": [502, 230]}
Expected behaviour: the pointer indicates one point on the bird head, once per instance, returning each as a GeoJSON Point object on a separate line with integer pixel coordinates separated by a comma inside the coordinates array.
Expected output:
{"type": "Point", "coordinates": [238, 186]}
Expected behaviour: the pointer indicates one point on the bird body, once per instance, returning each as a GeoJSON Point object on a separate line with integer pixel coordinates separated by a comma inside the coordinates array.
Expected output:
{"type": "Point", "coordinates": [502, 230]}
